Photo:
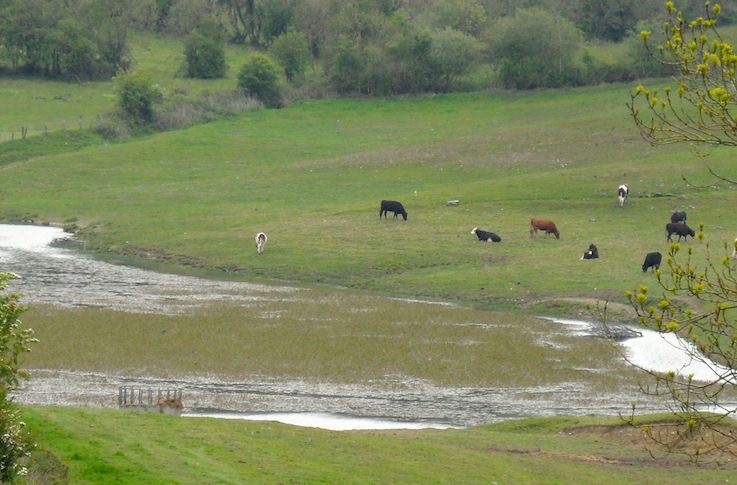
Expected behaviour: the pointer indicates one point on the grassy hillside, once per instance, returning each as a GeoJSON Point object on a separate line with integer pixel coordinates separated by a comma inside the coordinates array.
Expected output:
{"type": "Point", "coordinates": [45, 106]}
{"type": "Point", "coordinates": [312, 176]}
{"type": "Point", "coordinates": [101, 446]}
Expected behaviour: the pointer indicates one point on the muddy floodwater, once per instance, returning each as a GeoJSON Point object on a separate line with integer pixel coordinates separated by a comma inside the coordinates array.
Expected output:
{"type": "Point", "coordinates": [58, 276]}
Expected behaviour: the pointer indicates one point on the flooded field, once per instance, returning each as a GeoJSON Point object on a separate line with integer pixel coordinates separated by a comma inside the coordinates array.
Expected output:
{"type": "Point", "coordinates": [67, 279]}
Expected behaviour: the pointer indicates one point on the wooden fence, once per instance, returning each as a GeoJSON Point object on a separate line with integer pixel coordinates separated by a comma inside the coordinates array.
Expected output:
{"type": "Point", "coordinates": [168, 401]}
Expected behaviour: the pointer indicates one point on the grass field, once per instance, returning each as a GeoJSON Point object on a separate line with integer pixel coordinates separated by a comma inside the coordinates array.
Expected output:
{"type": "Point", "coordinates": [312, 175]}
{"type": "Point", "coordinates": [103, 446]}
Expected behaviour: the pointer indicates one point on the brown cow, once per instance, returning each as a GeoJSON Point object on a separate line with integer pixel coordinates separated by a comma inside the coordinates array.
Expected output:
{"type": "Point", "coordinates": [543, 225]}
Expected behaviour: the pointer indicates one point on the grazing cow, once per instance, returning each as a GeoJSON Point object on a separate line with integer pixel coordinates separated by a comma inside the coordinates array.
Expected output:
{"type": "Point", "coordinates": [652, 260]}
{"type": "Point", "coordinates": [392, 206]}
{"type": "Point", "coordinates": [679, 228]}
{"type": "Point", "coordinates": [622, 192]}
{"type": "Point", "coordinates": [592, 253]}
{"type": "Point", "coordinates": [543, 225]}
{"type": "Point", "coordinates": [485, 235]}
{"type": "Point", "coordinates": [734, 251]}
{"type": "Point", "coordinates": [261, 242]}
{"type": "Point", "coordinates": [678, 216]}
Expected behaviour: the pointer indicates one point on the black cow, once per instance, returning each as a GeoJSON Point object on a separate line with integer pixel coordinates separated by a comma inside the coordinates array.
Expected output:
{"type": "Point", "coordinates": [485, 235]}
{"type": "Point", "coordinates": [652, 260]}
{"type": "Point", "coordinates": [592, 253]}
{"type": "Point", "coordinates": [392, 206]}
{"type": "Point", "coordinates": [679, 228]}
{"type": "Point", "coordinates": [678, 216]}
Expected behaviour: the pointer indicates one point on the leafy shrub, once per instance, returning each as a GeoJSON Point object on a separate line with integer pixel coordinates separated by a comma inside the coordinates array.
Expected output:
{"type": "Point", "coordinates": [205, 57]}
{"type": "Point", "coordinates": [137, 98]}
{"type": "Point", "coordinates": [293, 53]}
{"type": "Point", "coordinates": [14, 341]}
{"type": "Point", "coordinates": [259, 78]}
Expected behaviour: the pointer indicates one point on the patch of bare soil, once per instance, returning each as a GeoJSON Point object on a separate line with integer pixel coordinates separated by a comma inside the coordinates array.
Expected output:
{"type": "Point", "coordinates": [670, 443]}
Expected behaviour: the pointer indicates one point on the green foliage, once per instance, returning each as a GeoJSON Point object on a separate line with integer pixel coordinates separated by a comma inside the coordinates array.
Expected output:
{"type": "Point", "coordinates": [610, 20]}
{"type": "Point", "coordinates": [259, 78]}
{"type": "Point", "coordinates": [14, 341]}
{"type": "Point", "coordinates": [535, 48]}
{"type": "Point", "coordinates": [293, 53]}
{"type": "Point", "coordinates": [205, 57]}
{"type": "Point", "coordinates": [467, 16]}
{"type": "Point", "coordinates": [63, 39]}
{"type": "Point", "coordinates": [137, 97]}
{"type": "Point", "coordinates": [699, 108]}
{"type": "Point", "coordinates": [452, 54]}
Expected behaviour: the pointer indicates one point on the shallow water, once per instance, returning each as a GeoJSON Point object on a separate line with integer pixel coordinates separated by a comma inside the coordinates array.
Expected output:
{"type": "Point", "coordinates": [58, 276]}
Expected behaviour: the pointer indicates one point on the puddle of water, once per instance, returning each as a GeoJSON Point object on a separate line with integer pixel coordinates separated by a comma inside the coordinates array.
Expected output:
{"type": "Point", "coordinates": [662, 353]}
{"type": "Point", "coordinates": [328, 421]}
{"type": "Point", "coordinates": [58, 276]}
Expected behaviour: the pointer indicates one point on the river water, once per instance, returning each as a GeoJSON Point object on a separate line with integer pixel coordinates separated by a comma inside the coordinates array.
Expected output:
{"type": "Point", "coordinates": [58, 276]}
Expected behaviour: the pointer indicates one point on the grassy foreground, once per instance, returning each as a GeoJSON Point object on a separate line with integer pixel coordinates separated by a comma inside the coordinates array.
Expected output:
{"type": "Point", "coordinates": [106, 446]}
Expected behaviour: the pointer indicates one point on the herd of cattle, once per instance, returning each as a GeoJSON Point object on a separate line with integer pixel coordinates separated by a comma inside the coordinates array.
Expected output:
{"type": "Point", "coordinates": [677, 226]}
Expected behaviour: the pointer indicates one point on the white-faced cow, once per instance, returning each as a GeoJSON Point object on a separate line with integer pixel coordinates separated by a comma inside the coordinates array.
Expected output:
{"type": "Point", "coordinates": [261, 242]}
{"type": "Point", "coordinates": [591, 253]}
{"type": "Point", "coordinates": [622, 192]}
{"type": "Point", "coordinates": [392, 206]}
{"type": "Point", "coordinates": [485, 235]}
{"type": "Point", "coordinates": [652, 260]}
{"type": "Point", "coordinates": [543, 225]}
{"type": "Point", "coordinates": [680, 229]}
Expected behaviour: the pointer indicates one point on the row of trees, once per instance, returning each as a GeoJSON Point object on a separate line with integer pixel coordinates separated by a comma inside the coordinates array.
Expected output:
{"type": "Point", "coordinates": [353, 46]}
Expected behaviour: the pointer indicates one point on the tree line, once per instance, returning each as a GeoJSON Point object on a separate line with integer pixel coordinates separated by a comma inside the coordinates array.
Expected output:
{"type": "Point", "coordinates": [369, 47]}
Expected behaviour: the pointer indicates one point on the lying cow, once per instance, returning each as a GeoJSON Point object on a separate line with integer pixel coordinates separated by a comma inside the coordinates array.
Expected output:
{"type": "Point", "coordinates": [622, 192]}
{"type": "Point", "coordinates": [261, 242]}
{"type": "Point", "coordinates": [392, 206]}
{"type": "Point", "coordinates": [652, 260]}
{"type": "Point", "coordinates": [543, 225]}
{"type": "Point", "coordinates": [679, 228]}
{"type": "Point", "coordinates": [678, 216]}
{"type": "Point", "coordinates": [485, 235]}
{"type": "Point", "coordinates": [592, 253]}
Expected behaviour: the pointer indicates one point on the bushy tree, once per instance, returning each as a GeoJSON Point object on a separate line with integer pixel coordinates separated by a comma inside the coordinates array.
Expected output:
{"type": "Point", "coordinates": [14, 341]}
{"type": "Point", "coordinates": [610, 20]}
{"type": "Point", "coordinates": [534, 48]}
{"type": "Point", "coordinates": [137, 97]}
{"type": "Point", "coordinates": [699, 106]}
{"type": "Point", "coordinates": [452, 53]}
{"type": "Point", "coordinates": [205, 57]}
{"type": "Point", "coordinates": [259, 78]}
{"type": "Point", "coordinates": [69, 40]}
{"type": "Point", "coordinates": [697, 300]}
{"type": "Point", "coordinates": [293, 53]}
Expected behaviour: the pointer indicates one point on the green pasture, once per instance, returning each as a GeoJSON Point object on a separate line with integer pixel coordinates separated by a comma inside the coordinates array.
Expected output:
{"type": "Point", "coordinates": [105, 446]}
{"type": "Point", "coordinates": [312, 176]}
{"type": "Point", "coordinates": [43, 106]}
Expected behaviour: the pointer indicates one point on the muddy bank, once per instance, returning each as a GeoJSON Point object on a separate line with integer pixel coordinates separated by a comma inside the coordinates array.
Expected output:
{"type": "Point", "coordinates": [404, 400]}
